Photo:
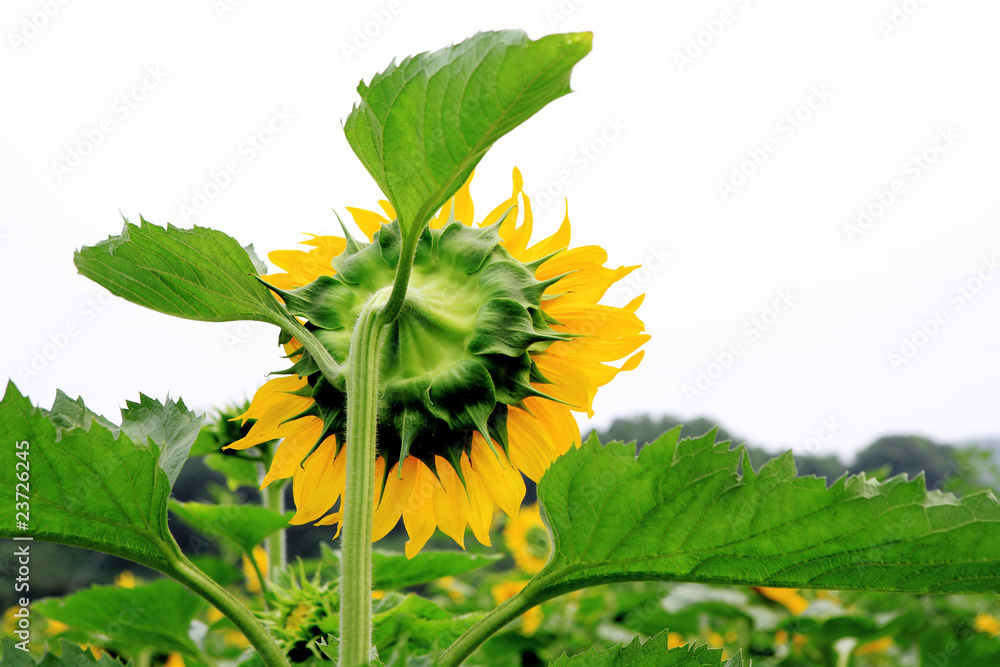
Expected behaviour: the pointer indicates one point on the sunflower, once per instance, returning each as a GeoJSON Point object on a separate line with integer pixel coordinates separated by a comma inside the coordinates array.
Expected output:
{"type": "Point", "coordinates": [527, 538]}
{"type": "Point", "coordinates": [789, 598]}
{"type": "Point", "coordinates": [988, 624]}
{"type": "Point", "coordinates": [532, 619]}
{"type": "Point", "coordinates": [498, 343]}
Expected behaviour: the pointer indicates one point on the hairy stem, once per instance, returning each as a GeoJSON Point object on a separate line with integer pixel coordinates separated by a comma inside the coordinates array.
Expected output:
{"type": "Point", "coordinates": [188, 574]}
{"type": "Point", "coordinates": [402, 280]}
{"type": "Point", "coordinates": [274, 499]}
{"type": "Point", "coordinates": [359, 491]}
{"type": "Point", "coordinates": [530, 596]}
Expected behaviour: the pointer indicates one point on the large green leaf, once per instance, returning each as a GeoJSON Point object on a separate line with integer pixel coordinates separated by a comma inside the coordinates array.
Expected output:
{"type": "Point", "coordinates": [423, 125]}
{"type": "Point", "coordinates": [424, 625]}
{"type": "Point", "coordinates": [71, 655]}
{"type": "Point", "coordinates": [172, 429]}
{"type": "Point", "coordinates": [91, 485]}
{"type": "Point", "coordinates": [198, 274]}
{"type": "Point", "coordinates": [394, 571]}
{"type": "Point", "coordinates": [681, 512]}
{"type": "Point", "coordinates": [654, 653]}
{"type": "Point", "coordinates": [157, 615]}
{"type": "Point", "coordinates": [246, 526]}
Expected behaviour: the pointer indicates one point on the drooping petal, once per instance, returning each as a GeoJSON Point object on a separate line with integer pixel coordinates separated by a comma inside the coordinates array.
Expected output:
{"type": "Point", "coordinates": [390, 212]}
{"type": "Point", "coordinates": [549, 245]}
{"type": "Point", "coordinates": [292, 450]}
{"type": "Point", "coordinates": [418, 512]}
{"type": "Point", "coordinates": [531, 449]}
{"type": "Point", "coordinates": [397, 492]}
{"type": "Point", "coordinates": [588, 256]}
{"type": "Point", "coordinates": [504, 482]}
{"type": "Point", "coordinates": [273, 392]}
{"type": "Point", "coordinates": [318, 482]}
{"type": "Point", "coordinates": [480, 501]}
{"type": "Point", "coordinates": [450, 506]}
{"type": "Point", "coordinates": [464, 208]}
{"type": "Point", "coordinates": [558, 423]}
{"type": "Point", "coordinates": [368, 222]}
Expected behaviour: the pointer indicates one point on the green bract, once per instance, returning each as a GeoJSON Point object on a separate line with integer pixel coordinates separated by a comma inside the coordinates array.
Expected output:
{"type": "Point", "coordinates": [454, 359]}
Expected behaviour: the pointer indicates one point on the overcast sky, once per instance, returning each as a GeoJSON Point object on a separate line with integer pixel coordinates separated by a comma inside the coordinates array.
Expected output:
{"type": "Point", "coordinates": [811, 187]}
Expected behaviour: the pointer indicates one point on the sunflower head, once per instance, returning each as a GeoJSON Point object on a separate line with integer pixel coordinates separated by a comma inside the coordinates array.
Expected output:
{"type": "Point", "coordinates": [497, 342]}
{"type": "Point", "coordinates": [528, 540]}
{"type": "Point", "coordinates": [456, 357]}
{"type": "Point", "coordinates": [303, 612]}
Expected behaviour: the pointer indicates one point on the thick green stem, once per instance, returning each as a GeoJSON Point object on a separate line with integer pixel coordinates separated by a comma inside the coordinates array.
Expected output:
{"type": "Point", "coordinates": [530, 596]}
{"type": "Point", "coordinates": [401, 282]}
{"type": "Point", "coordinates": [274, 499]}
{"type": "Point", "coordinates": [359, 491]}
{"type": "Point", "coordinates": [185, 571]}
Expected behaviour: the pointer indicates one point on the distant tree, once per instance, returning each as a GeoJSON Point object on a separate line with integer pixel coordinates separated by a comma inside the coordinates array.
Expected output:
{"type": "Point", "coordinates": [644, 430]}
{"type": "Point", "coordinates": [830, 467]}
{"type": "Point", "coordinates": [945, 467]}
{"type": "Point", "coordinates": [909, 454]}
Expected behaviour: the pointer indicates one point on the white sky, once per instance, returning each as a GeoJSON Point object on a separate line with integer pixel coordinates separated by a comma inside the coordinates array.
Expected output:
{"type": "Point", "coordinates": [677, 130]}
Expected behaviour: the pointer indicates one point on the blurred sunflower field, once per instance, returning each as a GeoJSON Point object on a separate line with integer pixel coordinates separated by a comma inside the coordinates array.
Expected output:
{"type": "Point", "coordinates": [421, 605]}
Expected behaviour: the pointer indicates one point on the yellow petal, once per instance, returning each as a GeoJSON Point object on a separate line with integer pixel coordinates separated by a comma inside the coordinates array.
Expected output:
{"type": "Point", "coordinates": [504, 482]}
{"type": "Point", "coordinates": [508, 224]}
{"type": "Point", "coordinates": [292, 450]}
{"type": "Point", "coordinates": [558, 423]}
{"type": "Point", "coordinates": [571, 382]}
{"type": "Point", "coordinates": [449, 508]}
{"type": "Point", "coordinates": [531, 449]}
{"type": "Point", "coordinates": [304, 267]}
{"type": "Point", "coordinates": [318, 482]}
{"type": "Point", "coordinates": [271, 427]}
{"type": "Point", "coordinates": [588, 285]}
{"type": "Point", "coordinates": [271, 392]}
{"type": "Point", "coordinates": [596, 349]}
{"type": "Point", "coordinates": [396, 494]}
{"type": "Point", "coordinates": [547, 246]}
{"type": "Point", "coordinates": [333, 518]}
{"type": "Point", "coordinates": [588, 256]}
{"type": "Point", "coordinates": [368, 222]}
{"type": "Point", "coordinates": [464, 208]}
{"type": "Point", "coordinates": [480, 510]}
{"type": "Point", "coordinates": [418, 514]}
{"type": "Point", "coordinates": [390, 212]}
{"type": "Point", "coordinates": [593, 320]}
{"type": "Point", "coordinates": [516, 240]}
